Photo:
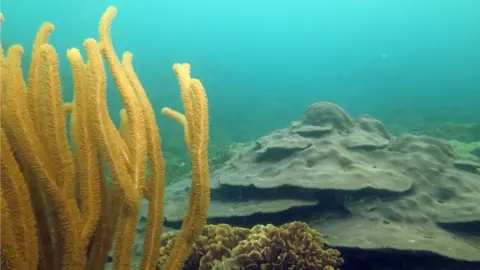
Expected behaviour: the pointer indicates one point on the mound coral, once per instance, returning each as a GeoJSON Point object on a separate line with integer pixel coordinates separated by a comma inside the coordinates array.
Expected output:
{"type": "Point", "coordinates": [57, 209]}
{"type": "Point", "coordinates": [290, 246]}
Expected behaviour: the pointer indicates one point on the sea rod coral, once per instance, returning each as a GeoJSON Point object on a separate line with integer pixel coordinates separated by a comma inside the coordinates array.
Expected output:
{"type": "Point", "coordinates": [58, 211]}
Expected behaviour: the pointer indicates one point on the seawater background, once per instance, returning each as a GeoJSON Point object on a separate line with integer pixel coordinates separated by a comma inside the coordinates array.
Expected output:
{"type": "Point", "coordinates": [264, 62]}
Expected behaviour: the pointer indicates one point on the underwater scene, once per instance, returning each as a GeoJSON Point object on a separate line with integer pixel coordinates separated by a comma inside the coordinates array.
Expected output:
{"type": "Point", "coordinates": [231, 135]}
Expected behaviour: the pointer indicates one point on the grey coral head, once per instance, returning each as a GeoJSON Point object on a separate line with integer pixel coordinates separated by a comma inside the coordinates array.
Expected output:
{"type": "Point", "coordinates": [327, 113]}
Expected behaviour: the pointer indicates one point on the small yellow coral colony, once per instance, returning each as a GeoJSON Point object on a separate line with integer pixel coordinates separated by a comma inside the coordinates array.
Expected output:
{"type": "Point", "coordinates": [292, 245]}
{"type": "Point", "coordinates": [57, 209]}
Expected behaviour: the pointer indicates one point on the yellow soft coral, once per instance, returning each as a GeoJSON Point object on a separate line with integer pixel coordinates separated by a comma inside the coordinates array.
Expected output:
{"type": "Point", "coordinates": [196, 136]}
{"type": "Point", "coordinates": [58, 209]}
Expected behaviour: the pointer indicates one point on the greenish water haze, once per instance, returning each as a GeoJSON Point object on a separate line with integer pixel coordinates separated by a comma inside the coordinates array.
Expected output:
{"type": "Point", "coordinates": [264, 62]}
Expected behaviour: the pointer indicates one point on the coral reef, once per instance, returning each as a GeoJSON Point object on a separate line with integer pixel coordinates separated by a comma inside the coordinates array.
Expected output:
{"type": "Point", "coordinates": [445, 121]}
{"type": "Point", "coordinates": [354, 182]}
{"type": "Point", "coordinates": [290, 246]}
{"type": "Point", "coordinates": [58, 211]}
{"type": "Point", "coordinates": [466, 151]}
{"type": "Point", "coordinates": [464, 132]}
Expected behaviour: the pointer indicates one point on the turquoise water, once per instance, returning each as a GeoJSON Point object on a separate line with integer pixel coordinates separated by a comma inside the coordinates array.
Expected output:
{"type": "Point", "coordinates": [264, 62]}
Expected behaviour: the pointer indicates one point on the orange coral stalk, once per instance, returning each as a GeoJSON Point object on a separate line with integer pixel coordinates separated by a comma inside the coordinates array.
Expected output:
{"type": "Point", "coordinates": [196, 113]}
